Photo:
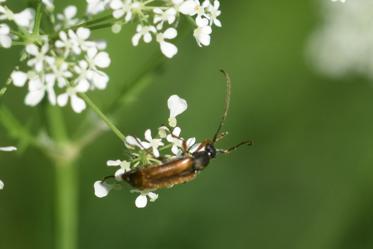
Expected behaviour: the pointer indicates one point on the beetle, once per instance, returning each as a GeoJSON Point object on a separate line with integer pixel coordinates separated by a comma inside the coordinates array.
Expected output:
{"type": "Point", "coordinates": [185, 168]}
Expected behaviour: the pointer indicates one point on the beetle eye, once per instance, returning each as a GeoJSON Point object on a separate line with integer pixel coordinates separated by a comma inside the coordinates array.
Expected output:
{"type": "Point", "coordinates": [211, 151]}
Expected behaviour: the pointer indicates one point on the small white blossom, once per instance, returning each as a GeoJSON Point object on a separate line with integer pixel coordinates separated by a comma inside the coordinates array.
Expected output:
{"type": "Point", "coordinates": [145, 32]}
{"type": "Point", "coordinates": [5, 39]}
{"type": "Point", "coordinates": [80, 40]}
{"type": "Point", "coordinates": [71, 93]}
{"type": "Point", "coordinates": [102, 189]}
{"type": "Point", "coordinates": [202, 35]}
{"type": "Point", "coordinates": [1, 185]}
{"type": "Point", "coordinates": [152, 143]}
{"type": "Point", "coordinates": [67, 18]}
{"type": "Point", "coordinates": [176, 141]}
{"type": "Point", "coordinates": [142, 200]}
{"type": "Point", "coordinates": [39, 54]}
{"type": "Point", "coordinates": [125, 166]}
{"type": "Point", "coordinates": [96, 6]}
{"type": "Point", "coordinates": [60, 73]}
{"type": "Point", "coordinates": [167, 48]}
{"type": "Point", "coordinates": [177, 106]}
{"type": "Point", "coordinates": [48, 4]}
{"type": "Point", "coordinates": [161, 17]}
{"type": "Point", "coordinates": [193, 7]}
{"type": "Point", "coordinates": [39, 85]}
{"type": "Point", "coordinates": [214, 13]}
{"type": "Point", "coordinates": [123, 8]}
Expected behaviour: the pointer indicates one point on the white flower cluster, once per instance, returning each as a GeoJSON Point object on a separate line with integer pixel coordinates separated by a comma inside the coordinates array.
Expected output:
{"type": "Point", "coordinates": [167, 144]}
{"type": "Point", "coordinates": [160, 22]}
{"type": "Point", "coordinates": [9, 148]}
{"type": "Point", "coordinates": [63, 68]}
{"type": "Point", "coordinates": [343, 44]}
{"type": "Point", "coordinates": [23, 20]}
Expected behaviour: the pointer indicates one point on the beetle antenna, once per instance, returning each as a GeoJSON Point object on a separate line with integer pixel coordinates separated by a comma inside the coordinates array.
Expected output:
{"type": "Point", "coordinates": [227, 103]}
{"type": "Point", "coordinates": [248, 142]}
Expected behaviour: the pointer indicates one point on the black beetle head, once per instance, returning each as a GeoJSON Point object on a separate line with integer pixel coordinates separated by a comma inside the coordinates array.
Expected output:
{"type": "Point", "coordinates": [211, 151]}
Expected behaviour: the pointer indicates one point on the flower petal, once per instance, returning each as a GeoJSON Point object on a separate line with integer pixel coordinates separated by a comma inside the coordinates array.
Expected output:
{"type": "Point", "coordinates": [77, 104]}
{"type": "Point", "coordinates": [8, 148]}
{"type": "Point", "coordinates": [141, 201]}
{"type": "Point", "coordinates": [152, 196]}
{"type": "Point", "coordinates": [1, 185]}
{"type": "Point", "coordinates": [19, 78]}
{"type": "Point", "coordinates": [176, 105]}
{"type": "Point", "coordinates": [101, 188]}
{"type": "Point", "coordinates": [111, 163]}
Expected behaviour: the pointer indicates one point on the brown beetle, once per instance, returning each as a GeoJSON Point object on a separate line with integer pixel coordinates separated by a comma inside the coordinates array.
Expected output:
{"type": "Point", "coordinates": [185, 168]}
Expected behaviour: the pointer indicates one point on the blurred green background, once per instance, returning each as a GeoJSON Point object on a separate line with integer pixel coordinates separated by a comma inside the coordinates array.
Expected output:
{"type": "Point", "coordinates": [306, 184]}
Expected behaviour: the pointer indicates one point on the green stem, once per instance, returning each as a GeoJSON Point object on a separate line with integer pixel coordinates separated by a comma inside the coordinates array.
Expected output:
{"type": "Point", "coordinates": [66, 205]}
{"type": "Point", "coordinates": [66, 183]}
{"type": "Point", "coordinates": [104, 118]}
{"type": "Point", "coordinates": [39, 14]}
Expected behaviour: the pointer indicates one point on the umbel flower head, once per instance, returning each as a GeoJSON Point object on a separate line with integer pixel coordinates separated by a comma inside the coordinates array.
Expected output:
{"type": "Point", "coordinates": [154, 149]}
{"type": "Point", "coordinates": [63, 63]}
{"type": "Point", "coordinates": [9, 148]}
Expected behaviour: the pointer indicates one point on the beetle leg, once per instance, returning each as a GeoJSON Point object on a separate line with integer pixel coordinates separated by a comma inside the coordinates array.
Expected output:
{"type": "Point", "coordinates": [227, 151]}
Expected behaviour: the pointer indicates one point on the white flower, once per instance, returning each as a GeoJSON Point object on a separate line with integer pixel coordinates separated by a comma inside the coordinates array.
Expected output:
{"type": "Point", "coordinates": [125, 166]}
{"type": "Point", "coordinates": [123, 8]}
{"type": "Point", "coordinates": [25, 18]}
{"type": "Point", "coordinates": [60, 73]}
{"type": "Point", "coordinates": [342, 45]}
{"type": "Point", "coordinates": [5, 40]}
{"type": "Point", "coordinates": [142, 200]}
{"type": "Point", "coordinates": [48, 4]}
{"type": "Point", "coordinates": [161, 16]}
{"type": "Point", "coordinates": [80, 40]}
{"type": "Point", "coordinates": [8, 148]}
{"type": "Point", "coordinates": [67, 18]}
{"type": "Point", "coordinates": [102, 189]}
{"type": "Point", "coordinates": [64, 43]}
{"type": "Point", "coordinates": [176, 140]}
{"type": "Point", "coordinates": [177, 4]}
{"type": "Point", "coordinates": [145, 32]}
{"type": "Point", "coordinates": [39, 54]}
{"type": "Point", "coordinates": [152, 143]}
{"type": "Point", "coordinates": [1, 185]}
{"type": "Point", "coordinates": [96, 59]}
{"type": "Point", "coordinates": [71, 93]}
{"type": "Point", "coordinates": [194, 7]}
{"type": "Point", "coordinates": [177, 106]}
{"type": "Point", "coordinates": [39, 85]}
{"type": "Point", "coordinates": [202, 35]}
{"type": "Point", "coordinates": [19, 78]}
{"type": "Point", "coordinates": [96, 6]}
{"type": "Point", "coordinates": [131, 141]}
{"type": "Point", "coordinates": [167, 48]}
{"type": "Point", "coordinates": [214, 13]}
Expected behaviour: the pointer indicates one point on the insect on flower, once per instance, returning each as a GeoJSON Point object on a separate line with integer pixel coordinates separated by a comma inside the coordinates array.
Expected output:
{"type": "Point", "coordinates": [179, 169]}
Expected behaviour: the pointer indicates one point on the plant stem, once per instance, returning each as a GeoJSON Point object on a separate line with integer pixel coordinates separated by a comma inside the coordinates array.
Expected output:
{"type": "Point", "coordinates": [104, 118]}
{"type": "Point", "coordinates": [66, 202]}
{"type": "Point", "coordinates": [39, 14]}
{"type": "Point", "coordinates": [66, 205]}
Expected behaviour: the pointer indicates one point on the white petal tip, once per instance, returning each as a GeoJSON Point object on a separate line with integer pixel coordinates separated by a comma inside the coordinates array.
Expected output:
{"type": "Point", "coordinates": [101, 189]}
